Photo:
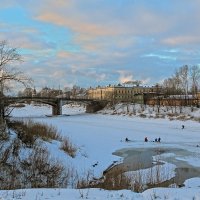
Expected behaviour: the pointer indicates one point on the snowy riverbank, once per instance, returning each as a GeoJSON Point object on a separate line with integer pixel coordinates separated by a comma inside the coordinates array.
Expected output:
{"type": "Point", "coordinates": [99, 135]}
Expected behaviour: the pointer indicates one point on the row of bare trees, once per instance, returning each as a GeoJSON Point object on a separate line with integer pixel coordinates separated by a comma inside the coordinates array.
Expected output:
{"type": "Point", "coordinates": [180, 89]}
{"type": "Point", "coordinates": [185, 80]}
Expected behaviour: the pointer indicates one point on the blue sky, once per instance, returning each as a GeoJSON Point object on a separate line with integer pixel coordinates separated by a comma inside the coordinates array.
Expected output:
{"type": "Point", "coordinates": [101, 42]}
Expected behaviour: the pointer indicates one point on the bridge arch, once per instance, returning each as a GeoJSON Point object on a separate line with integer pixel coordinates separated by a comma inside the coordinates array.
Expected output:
{"type": "Point", "coordinates": [54, 103]}
{"type": "Point", "coordinates": [57, 103]}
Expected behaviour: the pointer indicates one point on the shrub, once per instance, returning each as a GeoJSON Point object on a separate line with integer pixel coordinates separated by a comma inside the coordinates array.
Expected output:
{"type": "Point", "coordinates": [4, 133]}
{"type": "Point", "coordinates": [43, 131]}
{"type": "Point", "coordinates": [85, 181]}
{"type": "Point", "coordinates": [28, 132]}
{"type": "Point", "coordinates": [4, 136]}
{"type": "Point", "coordinates": [181, 117]}
{"type": "Point", "coordinates": [197, 119]}
{"type": "Point", "coordinates": [41, 171]}
{"type": "Point", "coordinates": [115, 180]}
{"type": "Point", "coordinates": [67, 146]}
{"type": "Point", "coordinates": [35, 168]}
{"type": "Point", "coordinates": [142, 115]}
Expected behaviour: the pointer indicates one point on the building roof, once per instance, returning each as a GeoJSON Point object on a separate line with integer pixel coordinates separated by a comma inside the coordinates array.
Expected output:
{"type": "Point", "coordinates": [122, 86]}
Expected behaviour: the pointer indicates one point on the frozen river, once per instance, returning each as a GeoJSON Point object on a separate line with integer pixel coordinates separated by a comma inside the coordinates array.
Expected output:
{"type": "Point", "coordinates": [98, 136]}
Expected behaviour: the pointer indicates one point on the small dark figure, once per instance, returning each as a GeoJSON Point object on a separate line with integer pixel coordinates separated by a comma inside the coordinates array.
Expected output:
{"type": "Point", "coordinates": [183, 126]}
{"type": "Point", "coordinates": [156, 140]}
{"type": "Point", "coordinates": [159, 139]}
{"type": "Point", "coordinates": [127, 140]}
{"type": "Point", "coordinates": [145, 139]}
{"type": "Point", "coordinates": [95, 164]}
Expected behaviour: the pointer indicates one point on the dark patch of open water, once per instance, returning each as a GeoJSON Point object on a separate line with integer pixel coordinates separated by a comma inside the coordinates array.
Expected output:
{"type": "Point", "coordinates": [142, 158]}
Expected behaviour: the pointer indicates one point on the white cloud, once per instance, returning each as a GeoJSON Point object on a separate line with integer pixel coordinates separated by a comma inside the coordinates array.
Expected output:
{"type": "Point", "coordinates": [146, 81]}
{"type": "Point", "coordinates": [125, 76]}
{"type": "Point", "coordinates": [89, 41]}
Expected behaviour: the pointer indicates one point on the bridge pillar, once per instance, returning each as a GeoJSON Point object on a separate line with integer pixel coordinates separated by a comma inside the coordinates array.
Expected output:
{"type": "Point", "coordinates": [60, 106]}
{"type": "Point", "coordinates": [95, 106]}
{"type": "Point", "coordinates": [57, 109]}
{"type": "Point", "coordinates": [2, 108]}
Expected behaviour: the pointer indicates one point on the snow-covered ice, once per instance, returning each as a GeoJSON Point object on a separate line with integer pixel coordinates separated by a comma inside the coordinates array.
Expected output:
{"type": "Point", "coordinates": [99, 135]}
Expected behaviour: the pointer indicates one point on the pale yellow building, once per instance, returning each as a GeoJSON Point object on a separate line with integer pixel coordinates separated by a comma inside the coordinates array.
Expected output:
{"type": "Point", "coordinates": [198, 98]}
{"type": "Point", "coordinates": [198, 95]}
{"type": "Point", "coordinates": [120, 93]}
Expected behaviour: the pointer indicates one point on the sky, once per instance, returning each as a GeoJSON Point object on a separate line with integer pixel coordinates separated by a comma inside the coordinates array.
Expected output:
{"type": "Point", "coordinates": [101, 42]}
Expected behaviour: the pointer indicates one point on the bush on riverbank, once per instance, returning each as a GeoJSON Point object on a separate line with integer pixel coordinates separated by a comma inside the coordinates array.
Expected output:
{"type": "Point", "coordinates": [68, 147]}
{"type": "Point", "coordinates": [26, 163]}
{"type": "Point", "coordinates": [28, 132]}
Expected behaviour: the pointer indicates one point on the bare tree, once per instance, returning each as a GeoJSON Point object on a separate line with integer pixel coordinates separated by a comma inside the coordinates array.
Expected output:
{"type": "Point", "coordinates": [172, 86]}
{"type": "Point", "coordinates": [184, 81]}
{"type": "Point", "coordinates": [9, 57]}
{"type": "Point", "coordinates": [183, 75]}
{"type": "Point", "coordinates": [195, 77]}
{"type": "Point", "coordinates": [159, 97]}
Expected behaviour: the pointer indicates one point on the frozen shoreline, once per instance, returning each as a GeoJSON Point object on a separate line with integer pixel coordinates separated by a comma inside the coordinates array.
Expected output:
{"type": "Point", "coordinates": [99, 135]}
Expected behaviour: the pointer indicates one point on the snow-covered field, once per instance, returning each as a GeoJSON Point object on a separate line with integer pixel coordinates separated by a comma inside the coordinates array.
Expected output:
{"type": "Point", "coordinates": [97, 136]}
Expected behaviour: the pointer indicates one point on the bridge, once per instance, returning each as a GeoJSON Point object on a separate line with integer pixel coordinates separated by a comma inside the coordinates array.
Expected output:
{"type": "Point", "coordinates": [56, 102]}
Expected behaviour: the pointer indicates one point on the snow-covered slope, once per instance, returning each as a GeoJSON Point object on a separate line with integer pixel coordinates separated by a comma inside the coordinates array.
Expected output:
{"type": "Point", "coordinates": [99, 135]}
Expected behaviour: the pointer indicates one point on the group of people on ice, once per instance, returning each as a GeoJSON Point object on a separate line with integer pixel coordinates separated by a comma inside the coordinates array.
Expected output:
{"type": "Point", "coordinates": [159, 139]}
{"type": "Point", "coordinates": [146, 139]}
{"type": "Point", "coordinates": [156, 140]}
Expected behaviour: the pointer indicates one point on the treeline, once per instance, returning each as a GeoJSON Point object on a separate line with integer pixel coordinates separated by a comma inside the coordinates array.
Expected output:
{"type": "Point", "coordinates": [184, 81]}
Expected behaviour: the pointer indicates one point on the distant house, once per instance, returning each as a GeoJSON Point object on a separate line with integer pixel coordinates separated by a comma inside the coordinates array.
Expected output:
{"type": "Point", "coordinates": [174, 100]}
{"type": "Point", "coordinates": [64, 95]}
{"type": "Point", "coordinates": [141, 94]}
{"type": "Point", "coordinates": [48, 92]}
{"type": "Point", "coordinates": [198, 96]}
{"type": "Point", "coordinates": [28, 92]}
{"type": "Point", "coordinates": [121, 93]}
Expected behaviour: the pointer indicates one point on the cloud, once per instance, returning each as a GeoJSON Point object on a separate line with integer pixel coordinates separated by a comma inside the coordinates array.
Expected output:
{"type": "Point", "coordinates": [87, 73]}
{"type": "Point", "coordinates": [64, 54]}
{"type": "Point", "coordinates": [75, 16]}
{"type": "Point", "coordinates": [8, 4]}
{"type": "Point", "coordinates": [58, 74]}
{"type": "Point", "coordinates": [146, 81]}
{"type": "Point", "coordinates": [24, 38]}
{"type": "Point", "coordinates": [125, 76]}
{"type": "Point", "coordinates": [160, 56]}
{"type": "Point", "coordinates": [182, 40]}
{"type": "Point", "coordinates": [89, 42]}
